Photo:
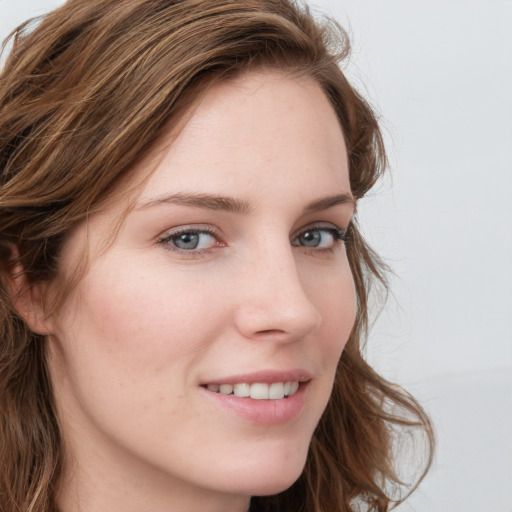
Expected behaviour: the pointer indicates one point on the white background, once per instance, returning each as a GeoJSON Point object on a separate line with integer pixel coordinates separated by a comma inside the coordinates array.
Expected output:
{"type": "Point", "coordinates": [440, 75]}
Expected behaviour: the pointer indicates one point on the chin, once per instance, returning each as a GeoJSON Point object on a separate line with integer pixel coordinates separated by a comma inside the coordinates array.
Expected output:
{"type": "Point", "coordinates": [270, 487]}
{"type": "Point", "coordinates": [270, 477]}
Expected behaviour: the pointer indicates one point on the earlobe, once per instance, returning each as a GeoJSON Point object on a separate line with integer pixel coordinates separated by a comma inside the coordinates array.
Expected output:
{"type": "Point", "coordinates": [28, 299]}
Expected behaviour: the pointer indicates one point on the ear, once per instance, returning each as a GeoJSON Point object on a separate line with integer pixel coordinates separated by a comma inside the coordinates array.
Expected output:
{"type": "Point", "coordinates": [28, 299]}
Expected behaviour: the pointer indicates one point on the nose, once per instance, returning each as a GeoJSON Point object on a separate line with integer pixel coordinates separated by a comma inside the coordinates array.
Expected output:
{"type": "Point", "coordinates": [273, 303]}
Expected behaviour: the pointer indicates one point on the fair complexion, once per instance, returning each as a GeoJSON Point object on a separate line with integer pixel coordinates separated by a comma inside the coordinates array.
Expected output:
{"type": "Point", "coordinates": [231, 270]}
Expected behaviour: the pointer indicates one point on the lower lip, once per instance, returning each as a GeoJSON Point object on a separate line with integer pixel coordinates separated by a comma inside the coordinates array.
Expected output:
{"type": "Point", "coordinates": [263, 412]}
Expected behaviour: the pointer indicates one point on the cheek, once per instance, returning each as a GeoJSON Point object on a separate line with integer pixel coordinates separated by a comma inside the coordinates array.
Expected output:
{"type": "Point", "coordinates": [121, 328]}
{"type": "Point", "coordinates": [334, 295]}
{"type": "Point", "coordinates": [336, 301]}
{"type": "Point", "coordinates": [129, 343]}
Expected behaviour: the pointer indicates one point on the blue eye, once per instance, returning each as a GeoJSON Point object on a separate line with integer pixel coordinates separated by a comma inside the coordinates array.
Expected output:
{"type": "Point", "coordinates": [189, 240]}
{"type": "Point", "coordinates": [323, 237]}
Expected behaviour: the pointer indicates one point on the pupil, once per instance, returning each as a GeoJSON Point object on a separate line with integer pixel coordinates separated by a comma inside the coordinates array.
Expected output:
{"type": "Point", "coordinates": [311, 238]}
{"type": "Point", "coordinates": [187, 241]}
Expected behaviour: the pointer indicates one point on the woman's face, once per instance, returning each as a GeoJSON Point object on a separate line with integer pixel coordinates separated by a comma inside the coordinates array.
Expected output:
{"type": "Point", "coordinates": [229, 275]}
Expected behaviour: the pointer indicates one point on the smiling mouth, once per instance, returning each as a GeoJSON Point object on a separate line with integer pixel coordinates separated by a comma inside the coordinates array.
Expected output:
{"type": "Point", "coordinates": [257, 390]}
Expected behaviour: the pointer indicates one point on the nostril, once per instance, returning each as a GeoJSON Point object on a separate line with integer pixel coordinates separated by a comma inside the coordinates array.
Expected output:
{"type": "Point", "coordinates": [270, 332]}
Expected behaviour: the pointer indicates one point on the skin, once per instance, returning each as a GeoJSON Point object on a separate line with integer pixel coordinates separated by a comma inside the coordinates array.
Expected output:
{"type": "Point", "coordinates": [149, 324]}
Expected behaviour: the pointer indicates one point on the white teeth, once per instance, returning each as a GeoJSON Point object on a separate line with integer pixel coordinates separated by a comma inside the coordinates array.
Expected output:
{"type": "Point", "coordinates": [226, 389]}
{"type": "Point", "coordinates": [258, 390]}
{"type": "Point", "coordinates": [242, 390]}
{"type": "Point", "coordinates": [276, 391]}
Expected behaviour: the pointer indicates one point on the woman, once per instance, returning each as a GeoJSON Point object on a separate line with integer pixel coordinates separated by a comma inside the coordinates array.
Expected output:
{"type": "Point", "coordinates": [184, 287]}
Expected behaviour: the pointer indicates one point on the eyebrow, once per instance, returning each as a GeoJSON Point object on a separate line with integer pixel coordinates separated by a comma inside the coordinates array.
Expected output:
{"type": "Point", "coordinates": [328, 202]}
{"type": "Point", "coordinates": [205, 201]}
{"type": "Point", "coordinates": [239, 206]}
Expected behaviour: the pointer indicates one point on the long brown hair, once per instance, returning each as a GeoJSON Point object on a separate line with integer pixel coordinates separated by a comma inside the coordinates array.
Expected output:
{"type": "Point", "coordinates": [85, 92]}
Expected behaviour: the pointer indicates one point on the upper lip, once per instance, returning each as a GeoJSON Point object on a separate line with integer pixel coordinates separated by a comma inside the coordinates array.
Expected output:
{"type": "Point", "coordinates": [264, 376]}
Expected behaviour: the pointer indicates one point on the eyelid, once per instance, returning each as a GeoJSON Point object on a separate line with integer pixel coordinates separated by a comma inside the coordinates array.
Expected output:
{"type": "Point", "coordinates": [328, 226]}
{"type": "Point", "coordinates": [171, 233]}
{"type": "Point", "coordinates": [339, 237]}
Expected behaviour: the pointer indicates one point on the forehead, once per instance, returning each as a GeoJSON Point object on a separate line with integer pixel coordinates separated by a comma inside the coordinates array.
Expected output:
{"type": "Point", "coordinates": [259, 121]}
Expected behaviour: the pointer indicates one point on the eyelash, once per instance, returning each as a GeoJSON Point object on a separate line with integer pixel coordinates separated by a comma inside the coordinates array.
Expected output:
{"type": "Point", "coordinates": [196, 230]}
{"type": "Point", "coordinates": [339, 237]}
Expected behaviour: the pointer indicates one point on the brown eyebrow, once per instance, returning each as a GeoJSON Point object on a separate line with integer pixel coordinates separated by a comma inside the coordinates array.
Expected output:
{"type": "Point", "coordinates": [230, 204]}
{"type": "Point", "coordinates": [328, 202]}
{"type": "Point", "coordinates": [209, 202]}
